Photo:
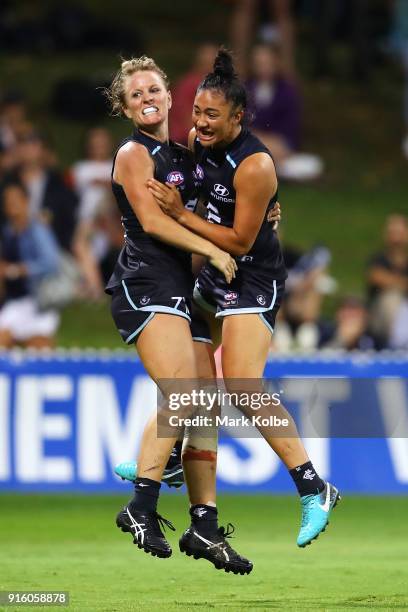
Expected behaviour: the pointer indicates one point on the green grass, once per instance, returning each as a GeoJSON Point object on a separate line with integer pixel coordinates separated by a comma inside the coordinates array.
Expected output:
{"type": "Point", "coordinates": [70, 543]}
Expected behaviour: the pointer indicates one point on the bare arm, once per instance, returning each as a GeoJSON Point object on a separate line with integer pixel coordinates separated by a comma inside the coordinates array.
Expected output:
{"type": "Point", "coordinates": [385, 279]}
{"type": "Point", "coordinates": [133, 169]}
{"type": "Point", "coordinates": [255, 183]}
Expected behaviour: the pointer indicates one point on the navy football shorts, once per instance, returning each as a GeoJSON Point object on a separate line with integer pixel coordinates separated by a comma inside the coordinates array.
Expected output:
{"type": "Point", "coordinates": [252, 291]}
{"type": "Point", "coordinates": [135, 304]}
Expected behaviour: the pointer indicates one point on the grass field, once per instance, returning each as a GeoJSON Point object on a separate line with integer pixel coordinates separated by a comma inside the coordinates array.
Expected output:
{"type": "Point", "coordinates": [71, 543]}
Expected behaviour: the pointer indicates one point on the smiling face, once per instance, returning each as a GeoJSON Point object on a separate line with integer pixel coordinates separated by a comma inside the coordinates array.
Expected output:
{"type": "Point", "coordinates": [215, 121]}
{"type": "Point", "coordinates": [147, 100]}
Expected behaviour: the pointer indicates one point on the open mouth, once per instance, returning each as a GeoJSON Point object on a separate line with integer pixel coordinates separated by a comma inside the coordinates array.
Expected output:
{"type": "Point", "coordinates": [150, 109]}
{"type": "Point", "coordinates": [205, 135]}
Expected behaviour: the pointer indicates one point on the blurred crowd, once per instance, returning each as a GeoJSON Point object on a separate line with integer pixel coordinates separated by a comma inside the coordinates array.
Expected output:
{"type": "Point", "coordinates": [60, 230]}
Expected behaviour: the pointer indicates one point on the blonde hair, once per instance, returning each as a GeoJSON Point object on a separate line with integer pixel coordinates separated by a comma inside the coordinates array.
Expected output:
{"type": "Point", "coordinates": [116, 92]}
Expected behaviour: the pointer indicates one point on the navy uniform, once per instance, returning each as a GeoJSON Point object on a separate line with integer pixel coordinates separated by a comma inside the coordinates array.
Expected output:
{"type": "Point", "coordinates": [260, 279]}
{"type": "Point", "coordinates": [151, 276]}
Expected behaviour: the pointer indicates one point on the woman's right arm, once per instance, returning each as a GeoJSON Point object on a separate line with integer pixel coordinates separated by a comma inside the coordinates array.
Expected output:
{"type": "Point", "coordinates": [133, 168]}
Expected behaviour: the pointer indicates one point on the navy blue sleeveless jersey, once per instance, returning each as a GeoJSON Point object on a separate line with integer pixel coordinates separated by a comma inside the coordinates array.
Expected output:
{"type": "Point", "coordinates": [142, 255]}
{"type": "Point", "coordinates": [216, 168]}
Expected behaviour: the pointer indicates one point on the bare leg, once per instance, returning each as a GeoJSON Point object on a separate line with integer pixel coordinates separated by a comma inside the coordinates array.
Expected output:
{"type": "Point", "coordinates": [249, 331]}
{"type": "Point", "coordinates": [242, 26]}
{"type": "Point", "coordinates": [159, 349]}
{"type": "Point", "coordinates": [6, 339]}
{"type": "Point", "coordinates": [40, 342]}
{"type": "Point", "coordinates": [200, 451]}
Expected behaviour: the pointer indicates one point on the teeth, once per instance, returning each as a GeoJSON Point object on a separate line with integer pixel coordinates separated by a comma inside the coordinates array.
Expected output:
{"type": "Point", "coordinates": [150, 109]}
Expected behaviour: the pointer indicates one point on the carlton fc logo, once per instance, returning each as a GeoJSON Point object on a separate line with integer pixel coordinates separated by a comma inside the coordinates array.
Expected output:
{"type": "Point", "coordinates": [175, 178]}
{"type": "Point", "coordinates": [221, 190]}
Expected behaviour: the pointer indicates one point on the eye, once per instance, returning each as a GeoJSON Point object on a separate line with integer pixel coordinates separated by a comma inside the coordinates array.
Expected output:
{"type": "Point", "coordinates": [136, 94]}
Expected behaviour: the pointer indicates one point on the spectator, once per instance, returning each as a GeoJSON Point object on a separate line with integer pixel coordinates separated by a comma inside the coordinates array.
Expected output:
{"type": "Point", "coordinates": [49, 196]}
{"type": "Point", "coordinates": [399, 42]}
{"type": "Point", "coordinates": [388, 285]}
{"type": "Point", "coordinates": [301, 327]}
{"type": "Point", "coordinates": [184, 92]}
{"type": "Point", "coordinates": [92, 181]}
{"type": "Point", "coordinates": [14, 125]}
{"type": "Point", "coordinates": [350, 331]}
{"type": "Point", "coordinates": [276, 108]}
{"type": "Point", "coordinates": [279, 28]}
{"type": "Point", "coordinates": [29, 253]}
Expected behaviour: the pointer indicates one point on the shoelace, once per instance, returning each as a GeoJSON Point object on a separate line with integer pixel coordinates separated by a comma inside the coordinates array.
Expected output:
{"type": "Point", "coordinates": [164, 522]}
{"type": "Point", "coordinates": [227, 532]}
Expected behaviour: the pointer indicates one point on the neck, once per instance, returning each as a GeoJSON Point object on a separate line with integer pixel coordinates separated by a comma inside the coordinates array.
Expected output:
{"type": "Point", "coordinates": [159, 132]}
{"type": "Point", "coordinates": [234, 134]}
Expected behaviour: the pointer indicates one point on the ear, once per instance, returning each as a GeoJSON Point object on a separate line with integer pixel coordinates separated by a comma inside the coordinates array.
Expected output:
{"type": "Point", "coordinates": [239, 116]}
{"type": "Point", "coordinates": [127, 112]}
{"type": "Point", "coordinates": [169, 100]}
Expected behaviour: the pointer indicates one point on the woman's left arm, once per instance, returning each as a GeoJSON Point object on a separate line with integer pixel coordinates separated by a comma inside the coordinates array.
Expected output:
{"type": "Point", "coordinates": [255, 184]}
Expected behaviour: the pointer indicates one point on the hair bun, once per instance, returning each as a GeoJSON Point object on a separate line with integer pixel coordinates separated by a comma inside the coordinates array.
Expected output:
{"type": "Point", "coordinates": [224, 66]}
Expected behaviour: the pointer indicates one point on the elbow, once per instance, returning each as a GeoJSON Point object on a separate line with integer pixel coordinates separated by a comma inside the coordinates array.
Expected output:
{"type": "Point", "coordinates": [149, 225]}
{"type": "Point", "coordinates": [241, 248]}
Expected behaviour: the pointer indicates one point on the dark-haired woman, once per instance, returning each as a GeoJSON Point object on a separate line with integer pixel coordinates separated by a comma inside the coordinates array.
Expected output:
{"type": "Point", "coordinates": [151, 287]}
{"type": "Point", "coordinates": [240, 187]}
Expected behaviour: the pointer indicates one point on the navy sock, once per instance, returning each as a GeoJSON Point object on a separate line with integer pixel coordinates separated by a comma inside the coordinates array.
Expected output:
{"type": "Point", "coordinates": [204, 519]}
{"type": "Point", "coordinates": [146, 495]}
{"type": "Point", "coordinates": [175, 456]}
{"type": "Point", "coordinates": [306, 479]}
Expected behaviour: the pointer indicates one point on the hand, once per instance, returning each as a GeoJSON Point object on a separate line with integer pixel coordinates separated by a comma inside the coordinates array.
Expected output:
{"type": "Point", "coordinates": [168, 198]}
{"type": "Point", "coordinates": [224, 263]}
{"type": "Point", "coordinates": [274, 216]}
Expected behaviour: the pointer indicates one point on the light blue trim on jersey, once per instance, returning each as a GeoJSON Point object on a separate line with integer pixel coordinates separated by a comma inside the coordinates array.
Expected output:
{"type": "Point", "coordinates": [156, 149]}
{"type": "Point", "coordinates": [198, 298]}
{"type": "Point", "coordinates": [199, 339]}
{"type": "Point", "coordinates": [266, 322]}
{"type": "Point", "coordinates": [251, 310]}
{"type": "Point", "coordinates": [231, 161]}
{"type": "Point", "coordinates": [140, 328]}
{"type": "Point", "coordinates": [153, 308]}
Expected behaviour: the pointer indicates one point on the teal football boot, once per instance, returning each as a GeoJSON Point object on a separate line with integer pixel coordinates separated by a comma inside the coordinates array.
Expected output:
{"type": "Point", "coordinates": [173, 476]}
{"type": "Point", "coordinates": [316, 510]}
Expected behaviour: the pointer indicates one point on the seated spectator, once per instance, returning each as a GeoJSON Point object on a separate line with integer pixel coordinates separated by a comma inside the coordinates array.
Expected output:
{"type": "Point", "coordinates": [49, 196]}
{"type": "Point", "coordinates": [29, 253]}
{"type": "Point", "coordinates": [350, 331]}
{"type": "Point", "coordinates": [387, 277]}
{"type": "Point", "coordinates": [276, 107]}
{"type": "Point", "coordinates": [300, 325]}
{"type": "Point", "coordinates": [184, 91]}
{"type": "Point", "coordinates": [91, 178]}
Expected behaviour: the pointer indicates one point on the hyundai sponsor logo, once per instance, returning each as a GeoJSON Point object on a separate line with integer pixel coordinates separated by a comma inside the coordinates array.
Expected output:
{"type": "Point", "coordinates": [221, 190]}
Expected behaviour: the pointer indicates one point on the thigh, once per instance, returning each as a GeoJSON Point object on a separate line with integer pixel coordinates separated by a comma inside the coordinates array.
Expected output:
{"type": "Point", "coordinates": [166, 349]}
{"type": "Point", "coordinates": [204, 359]}
{"type": "Point", "coordinates": [246, 342]}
